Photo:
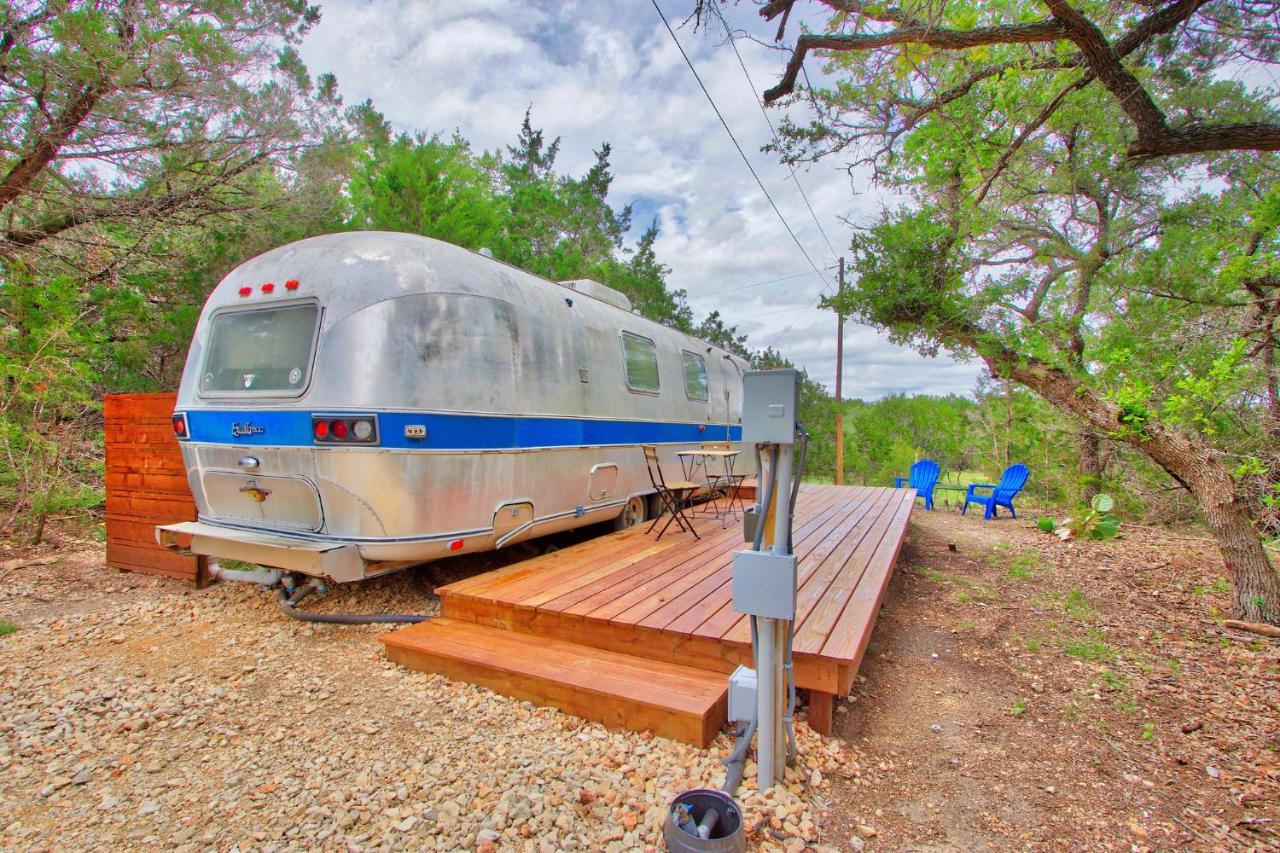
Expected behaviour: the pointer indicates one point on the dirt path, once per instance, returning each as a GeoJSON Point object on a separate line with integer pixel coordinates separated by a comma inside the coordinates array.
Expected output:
{"type": "Point", "coordinates": [1024, 693]}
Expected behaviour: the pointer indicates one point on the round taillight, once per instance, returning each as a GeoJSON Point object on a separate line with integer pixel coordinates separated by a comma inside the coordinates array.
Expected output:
{"type": "Point", "coordinates": [179, 426]}
{"type": "Point", "coordinates": [291, 284]}
{"type": "Point", "coordinates": [268, 288]}
{"type": "Point", "coordinates": [362, 430]}
{"type": "Point", "coordinates": [338, 429]}
{"type": "Point", "coordinates": [246, 290]}
{"type": "Point", "coordinates": [321, 429]}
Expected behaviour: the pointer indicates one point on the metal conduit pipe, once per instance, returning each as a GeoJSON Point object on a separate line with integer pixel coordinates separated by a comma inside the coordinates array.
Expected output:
{"type": "Point", "coordinates": [799, 475]}
{"type": "Point", "coordinates": [789, 717]}
{"type": "Point", "coordinates": [758, 541]}
{"type": "Point", "coordinates": [288, 603]}
{"type": "Point", "coordinates": [735, 764]}
{"type": "Point", "coordinates": [788, 665]}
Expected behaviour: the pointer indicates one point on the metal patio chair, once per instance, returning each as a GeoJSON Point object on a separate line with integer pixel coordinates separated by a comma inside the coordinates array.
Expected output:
{"type": "Point", "coordinates": [729, 482]}
{"type": "Point", "coordinates": [671, 493]}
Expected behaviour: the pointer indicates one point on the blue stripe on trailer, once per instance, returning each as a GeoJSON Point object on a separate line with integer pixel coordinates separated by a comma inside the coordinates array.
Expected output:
{"type": "Point", "coordinates": [449, 432]}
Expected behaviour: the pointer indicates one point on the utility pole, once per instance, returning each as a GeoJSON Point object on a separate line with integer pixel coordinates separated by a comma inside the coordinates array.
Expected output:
{"type": "Point", "coordinates": [839, 378]}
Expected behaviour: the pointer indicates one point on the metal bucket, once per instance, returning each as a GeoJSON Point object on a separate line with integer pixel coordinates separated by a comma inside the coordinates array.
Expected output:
{"type": "Point", "coordinates": [727, 836]}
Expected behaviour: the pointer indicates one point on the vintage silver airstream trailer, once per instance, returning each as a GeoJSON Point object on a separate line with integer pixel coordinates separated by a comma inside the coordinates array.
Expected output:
{"type": "Point", "coordinates": [359, 402]}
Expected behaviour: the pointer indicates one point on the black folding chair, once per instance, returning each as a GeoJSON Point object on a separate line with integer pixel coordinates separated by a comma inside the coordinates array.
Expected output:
{"type": "Point", "coordinates": [672, 494]}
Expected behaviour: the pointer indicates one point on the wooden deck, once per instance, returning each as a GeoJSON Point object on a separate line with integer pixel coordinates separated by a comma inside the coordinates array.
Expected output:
{"type": "Point", "coordinates": [670, 600]}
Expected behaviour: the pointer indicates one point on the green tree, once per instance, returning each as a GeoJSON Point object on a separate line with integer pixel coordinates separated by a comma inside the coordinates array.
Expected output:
{"type": "Point", "coordinates": [145, 147]}
{"type": "Point", "coordinates": [518, 206]}
{"type": "Point", "coordinates": [1046, 231]}
{"type": "Point", "coordinates": [643, 278]}
{"type": "Point", "coordinates": [430, 186]}
{"type": "Point", "coordinates": [133, 111]}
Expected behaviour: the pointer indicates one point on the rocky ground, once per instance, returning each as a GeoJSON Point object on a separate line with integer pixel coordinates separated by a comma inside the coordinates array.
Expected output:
{"type": "Point", "coordinates": [1018, 693]}
{"type": "Point", "coordinates": [167, 717]}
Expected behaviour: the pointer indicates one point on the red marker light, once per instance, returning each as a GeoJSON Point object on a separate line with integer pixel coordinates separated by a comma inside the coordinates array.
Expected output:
{"type": "Point", "coordinates": [179, 426]}
{"type": "Point", "coordinates": [455, 545]}
{"type": "Point", "coordinates": [245, 291]}
{"type": "Point", "coordinates": [291, 284]}
{"type": "Point", "coordinates": [268, 287]}
{"type": "Point", "coordinates": [338, 429]}
{"type": "Point", "coordinates": [321, 429]}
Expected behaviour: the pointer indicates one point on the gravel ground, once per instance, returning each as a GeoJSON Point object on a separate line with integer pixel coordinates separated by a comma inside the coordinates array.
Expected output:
{"type": "Point", "coordinates": [208, 720]}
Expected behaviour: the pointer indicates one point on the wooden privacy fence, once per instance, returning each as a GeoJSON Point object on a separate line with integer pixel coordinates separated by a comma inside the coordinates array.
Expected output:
{"type": "Point", "coordinates": [146, 483]}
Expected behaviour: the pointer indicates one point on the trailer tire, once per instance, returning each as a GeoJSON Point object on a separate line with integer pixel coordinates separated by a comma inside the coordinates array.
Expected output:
{"type": "Point", "coordinates": [635, 512]}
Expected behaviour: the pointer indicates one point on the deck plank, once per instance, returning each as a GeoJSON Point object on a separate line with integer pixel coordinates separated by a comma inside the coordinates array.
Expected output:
{"type": "Point", "coordinates": [716, 590]}
{"type": "Point", "coordinates": [478, 584]}
{"type": "Point", "coordinates": [678, 548]}
{"type": "Point", "coordinates": [671, 599]}
{"type": "Point", "coordinates": [537, 572]}
{"type": "Point", "coordinates": [619, 690]}
{"type": "Point", "coordinates": [816, 569]}
{"type": "Point", "coordinates": [608, 602]}
{"type": "Point", "coordinates": [812, 634]}
{"type": "Point", "coordinates": [692, 583]}
{"type": "Point", "coordinates": [848, 637]}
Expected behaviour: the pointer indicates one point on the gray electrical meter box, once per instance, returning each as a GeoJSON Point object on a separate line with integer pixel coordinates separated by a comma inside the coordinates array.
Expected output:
{"type": "Point", "coordinates": [770, 403]}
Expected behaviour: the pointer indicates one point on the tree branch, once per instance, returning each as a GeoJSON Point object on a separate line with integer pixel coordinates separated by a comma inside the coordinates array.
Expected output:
{"type": "Point", "coordinates": [25, 170]}
{"type": "Point", "coordinates": [1026, 132]}
{"type": "Point", "coordinates": [1198, 138]}
{"type": "Point", "coordinates": [1038, 31]}
{"type": "Point", "coordinates": [1137, 104]}
{"type": "Point", "coordinates": [1155, 138]}
{"type": "Point", "coordinates": [108, 209]}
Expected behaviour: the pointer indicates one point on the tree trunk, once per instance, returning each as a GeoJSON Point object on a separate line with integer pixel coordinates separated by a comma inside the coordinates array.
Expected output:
{"type": "Point", "coordinates": [1090, 463]}
{"type": "Point", "coordinates": [1008, 422]}
{"type": "Point", "coordinates": [1186, 457]}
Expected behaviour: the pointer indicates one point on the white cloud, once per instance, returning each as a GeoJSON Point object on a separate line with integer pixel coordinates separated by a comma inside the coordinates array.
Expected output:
{"type": "Point", "coordinates": [596, 72]}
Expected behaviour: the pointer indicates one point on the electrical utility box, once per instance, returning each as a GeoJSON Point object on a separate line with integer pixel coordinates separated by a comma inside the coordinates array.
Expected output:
{"type": "Point", "coordinates": [742, 695]}
{"type": "Point", "coordinates": [764, 584]}
{"type": "Point", "coordinates": [770, 405]}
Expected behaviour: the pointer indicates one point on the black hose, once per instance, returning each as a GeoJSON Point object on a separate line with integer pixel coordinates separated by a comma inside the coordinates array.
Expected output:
{"type": "Point", "coordinates": [288, 604]}
{"type": "Point", "coordinates": [736, 763]}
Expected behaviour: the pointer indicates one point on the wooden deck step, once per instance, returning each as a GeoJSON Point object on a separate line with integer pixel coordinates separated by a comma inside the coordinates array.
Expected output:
{"type": "Point", "coordinates": [618, 690]}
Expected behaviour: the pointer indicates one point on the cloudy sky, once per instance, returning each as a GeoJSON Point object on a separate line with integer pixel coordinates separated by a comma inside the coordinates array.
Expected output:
{"type": "Point", "coordinates": [597, 71]}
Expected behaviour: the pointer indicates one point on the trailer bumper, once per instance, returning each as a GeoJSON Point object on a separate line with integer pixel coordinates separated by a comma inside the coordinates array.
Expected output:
{"type": "Point", "coordinates": [337, 562]}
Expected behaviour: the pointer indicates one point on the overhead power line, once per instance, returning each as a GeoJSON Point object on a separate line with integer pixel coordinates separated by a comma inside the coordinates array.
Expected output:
{"type": "Point", "coordinates": [733, 138]}
{"type": "Point", "coordinates": [755, 284]}
{"type": "Point", "coordinates": [778, 338]}
{"type": "Point", "coordinates": [773, 131]}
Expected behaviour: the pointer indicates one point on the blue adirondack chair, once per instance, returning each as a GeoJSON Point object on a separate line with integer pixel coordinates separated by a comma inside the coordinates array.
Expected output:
{"type": "Point", "coordinates": [1011, 482]}
{"type": "Point", "coordinates": [924, 476]}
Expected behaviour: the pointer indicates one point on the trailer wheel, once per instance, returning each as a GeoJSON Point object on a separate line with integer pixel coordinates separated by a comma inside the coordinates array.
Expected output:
{"type": "Point", "coordinates": [635, 512]}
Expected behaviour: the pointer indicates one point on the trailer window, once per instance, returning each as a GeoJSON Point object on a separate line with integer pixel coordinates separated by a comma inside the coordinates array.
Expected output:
{"type": "Point", "coordinates": [695, 375]}
{"type": "Point", "coordinates": [260, 351]}
{"type": "Point", "coordinates": [642, 363]}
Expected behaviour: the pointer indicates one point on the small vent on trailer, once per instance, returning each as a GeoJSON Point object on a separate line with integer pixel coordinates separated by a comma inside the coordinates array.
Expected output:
{"type": "Point", "coordinates": [596, 290]}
